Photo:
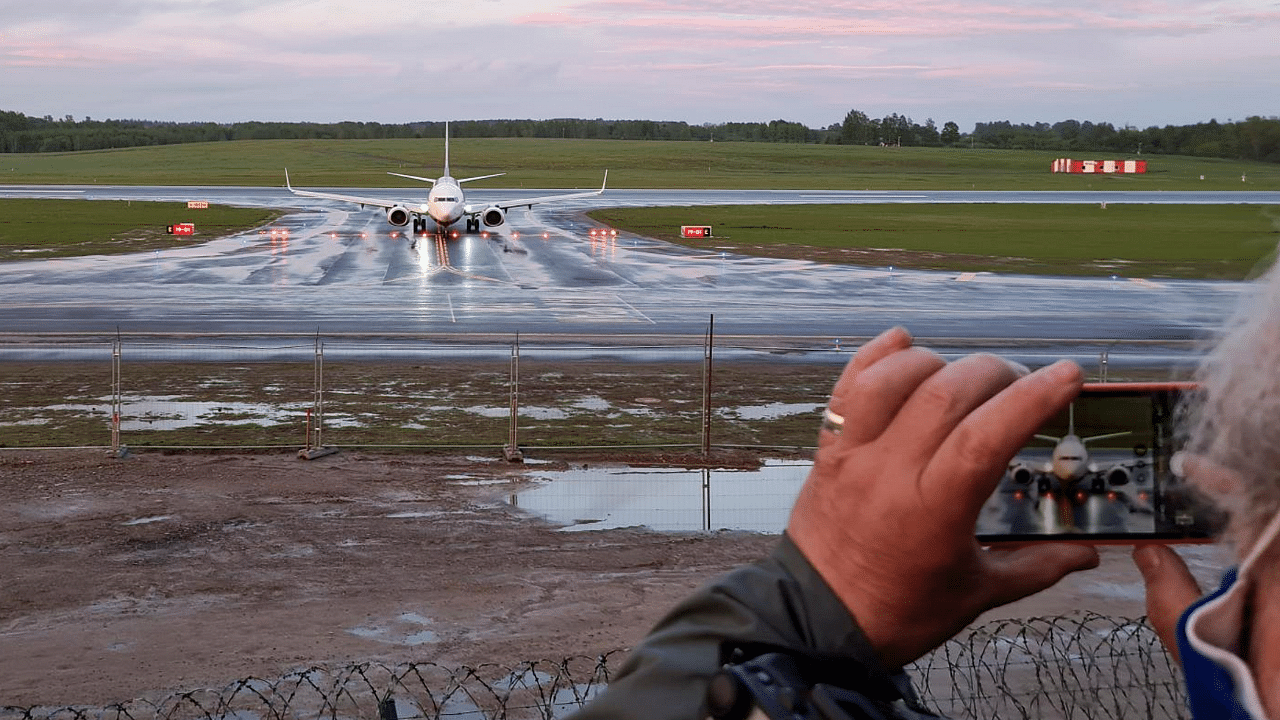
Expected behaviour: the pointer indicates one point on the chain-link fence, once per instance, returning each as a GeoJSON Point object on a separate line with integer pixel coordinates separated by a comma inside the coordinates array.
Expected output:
{"type": "Point", "coordinates": [1085, 666]}
{"type": "Point", "coordinates": [670, 392]}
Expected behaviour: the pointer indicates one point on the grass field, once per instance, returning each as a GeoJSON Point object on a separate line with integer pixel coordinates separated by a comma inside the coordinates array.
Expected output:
{"type": "Point", "coordinates": [543, 163]}
{"type": "Point", "coordinates": [1185, 241]}
{"type": "Point", "coordinates": [1130, 240]}
{"type": "Point", "coordinates": [36, 229]}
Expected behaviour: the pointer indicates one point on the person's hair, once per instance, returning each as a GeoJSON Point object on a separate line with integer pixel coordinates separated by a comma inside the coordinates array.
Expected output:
{"type": "Point", "coordinates": [1233, 420]}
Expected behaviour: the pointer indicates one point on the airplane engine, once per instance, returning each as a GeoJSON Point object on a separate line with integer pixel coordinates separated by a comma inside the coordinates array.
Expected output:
{"type": "Point", "coordinates": [493, 217]}
{"type": "Point", "coordinates": [1118, 476]}
{"type": "Point", "coordinates": [398, 216]}
{"type": "Point", "coordinates": [1022, 474]}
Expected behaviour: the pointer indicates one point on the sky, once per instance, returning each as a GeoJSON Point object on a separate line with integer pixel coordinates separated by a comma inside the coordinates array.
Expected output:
{"type": "Point", "coordinates": [1128, 62]}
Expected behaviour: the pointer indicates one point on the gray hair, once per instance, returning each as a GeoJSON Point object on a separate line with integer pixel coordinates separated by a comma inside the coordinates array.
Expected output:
{"type": "Point", "coordinates": [1233, 420]}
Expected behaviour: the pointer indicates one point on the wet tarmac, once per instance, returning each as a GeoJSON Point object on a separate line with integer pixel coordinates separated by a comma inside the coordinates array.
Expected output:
{"type": "Point", "coordinates": [333, 269]}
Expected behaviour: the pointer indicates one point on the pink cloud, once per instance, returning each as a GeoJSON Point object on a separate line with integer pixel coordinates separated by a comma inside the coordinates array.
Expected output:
{"type": "Point", "coordinates": [882, 17]}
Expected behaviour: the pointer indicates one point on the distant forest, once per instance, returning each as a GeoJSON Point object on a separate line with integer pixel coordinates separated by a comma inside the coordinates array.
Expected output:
{"type": "Point", "coordinates": [1256, 138]}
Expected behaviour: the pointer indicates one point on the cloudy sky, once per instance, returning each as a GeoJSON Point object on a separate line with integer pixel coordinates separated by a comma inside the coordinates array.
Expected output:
{"type": "Point", "coordinates": [1128, 62]}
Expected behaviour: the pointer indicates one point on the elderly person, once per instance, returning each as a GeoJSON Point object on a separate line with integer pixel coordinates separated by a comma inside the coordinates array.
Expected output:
{"type": "Point", "coordinates": [1229, 642]}
{"type": "Point", "coordinates": [879, 564]}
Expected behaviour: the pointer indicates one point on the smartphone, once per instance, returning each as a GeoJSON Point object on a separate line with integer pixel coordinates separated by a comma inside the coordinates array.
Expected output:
{"type": "Point", "coordinates": [1101, 472]}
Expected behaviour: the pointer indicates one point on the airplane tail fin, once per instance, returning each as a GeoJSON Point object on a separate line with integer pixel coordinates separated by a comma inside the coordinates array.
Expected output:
{"type": "Point", "coordinates": [446, 149]}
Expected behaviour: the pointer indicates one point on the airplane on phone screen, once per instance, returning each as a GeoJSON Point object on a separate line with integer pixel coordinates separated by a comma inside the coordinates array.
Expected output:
{"type": "Point", "coordinates": [445, 203]}
{"type": "Point", "coordinates": [1069, 462]}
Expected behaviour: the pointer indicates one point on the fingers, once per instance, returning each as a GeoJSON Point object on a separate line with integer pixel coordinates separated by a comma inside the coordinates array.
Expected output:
{"type": "Point", "coordinates": [884, 345]}
{"type": "Point", "coordinates": [1028, 570]}
{"type": "Point", "coordinates": [881, 390]}
{"type": "Point", "coordinates": [881, 346]}
{"type": "Point", "coordinates": [946, 399]}
{"type": "Point", "coordinates": [1170, 591]}
{"type": "Point", "coordinates": [970, 461]}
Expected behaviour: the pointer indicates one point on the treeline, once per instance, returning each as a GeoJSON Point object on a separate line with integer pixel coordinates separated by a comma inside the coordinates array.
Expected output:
{"type": "Point", "coordinates": [22, 134]}
{"type": "Point", "coordinates": [1255, 138]}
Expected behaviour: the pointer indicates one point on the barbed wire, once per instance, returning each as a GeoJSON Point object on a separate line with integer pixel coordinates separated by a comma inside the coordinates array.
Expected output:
{"type": "Point", "coordinates": [1083, 665]}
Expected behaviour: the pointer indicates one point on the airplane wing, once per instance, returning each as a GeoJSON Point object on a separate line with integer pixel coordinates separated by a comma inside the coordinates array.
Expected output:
{"type": "Point", "coordinates": [530, 202]}
{"type": "Point", "coordinates": [362, 201]}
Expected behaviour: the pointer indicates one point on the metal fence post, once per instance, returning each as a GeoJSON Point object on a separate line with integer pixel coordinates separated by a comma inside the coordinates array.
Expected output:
{"type": "Point", "coordinates": [117, 450]}
{"type": "Point", "coordinates": [315, 416]}
{"type": "Point", "coordinates": [706, 387]}
{"type": "Point", "coordinates": [512, 451]}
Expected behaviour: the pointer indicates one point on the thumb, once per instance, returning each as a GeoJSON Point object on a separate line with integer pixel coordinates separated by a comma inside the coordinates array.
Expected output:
{"type": "Point", "coordinates": [1170, 591]}
{"type": "Point", "coordinates": [1030, 569]}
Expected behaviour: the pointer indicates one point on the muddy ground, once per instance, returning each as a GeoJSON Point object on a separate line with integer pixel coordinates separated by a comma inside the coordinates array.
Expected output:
{"type": "Point", "coordinates": [136, 577]}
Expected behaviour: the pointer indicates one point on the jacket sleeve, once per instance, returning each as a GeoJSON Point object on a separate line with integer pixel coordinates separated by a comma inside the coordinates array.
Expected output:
{"type": "Point", "coordinates": [780, 602]}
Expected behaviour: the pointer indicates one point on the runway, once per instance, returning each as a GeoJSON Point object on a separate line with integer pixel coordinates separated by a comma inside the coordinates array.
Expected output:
{"type": "Point", "coordinates": [341, 270]}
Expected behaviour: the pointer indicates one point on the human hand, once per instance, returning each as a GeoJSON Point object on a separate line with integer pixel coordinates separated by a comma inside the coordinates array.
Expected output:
{"type": "Point", "coordinates": [888, 512]}
{"type": "Point", "coordinates": [1171, 588]}
{"type": "Point", "coordinates": [1170, 591]}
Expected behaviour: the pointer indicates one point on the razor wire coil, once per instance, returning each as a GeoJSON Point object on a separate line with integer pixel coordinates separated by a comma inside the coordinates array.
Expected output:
{"type": "Point", "coordinates": [1081, 666]}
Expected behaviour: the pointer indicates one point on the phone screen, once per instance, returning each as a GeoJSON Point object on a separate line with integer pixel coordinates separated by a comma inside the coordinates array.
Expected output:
{"type": "Point", "coordinates": [1102, 471]}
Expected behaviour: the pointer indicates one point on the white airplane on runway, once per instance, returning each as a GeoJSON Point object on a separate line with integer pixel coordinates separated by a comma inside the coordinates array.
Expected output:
{"type": "Point", "coordinates": [1069, 462]}
{"type": "Point", "coordinates": [445, 203]}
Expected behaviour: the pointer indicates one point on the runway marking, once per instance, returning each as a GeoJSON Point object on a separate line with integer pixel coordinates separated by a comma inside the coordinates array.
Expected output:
{"type": "Point", "coordinates": [574, 310]}
{"type": "Point", "coordinates": [967, 277]}
{"type": "Point", "coordinates": [452, 317]}
{"type": "Point", "coordinates": [634, 310]}
{"type": "Point", "coordinates": [863, 196]}
{"type": "Point", "coordinates": [1144, 282]}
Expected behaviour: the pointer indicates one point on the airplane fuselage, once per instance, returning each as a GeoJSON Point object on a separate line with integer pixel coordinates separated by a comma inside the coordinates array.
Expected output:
{"type": "Point", "coordinates": [1070, 459]}
{"type": "Point", "coordinates": [445, 203]}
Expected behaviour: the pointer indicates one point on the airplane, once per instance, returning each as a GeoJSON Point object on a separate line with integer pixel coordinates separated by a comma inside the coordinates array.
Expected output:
{"type": "Point", "coordinates": [445, 204]}
{"type": "Point", "coordinates": [1068, 493]}
{"type": "Point", "coordinates": [1069, 461]}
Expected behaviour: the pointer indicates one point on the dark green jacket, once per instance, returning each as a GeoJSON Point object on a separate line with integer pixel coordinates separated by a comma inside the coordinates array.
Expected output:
{"type": "Point", "coordinates": [779, 603]}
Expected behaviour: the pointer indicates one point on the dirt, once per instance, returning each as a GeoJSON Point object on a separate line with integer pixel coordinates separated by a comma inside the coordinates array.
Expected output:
{"type": "Point", "coordinates": [135, 577]}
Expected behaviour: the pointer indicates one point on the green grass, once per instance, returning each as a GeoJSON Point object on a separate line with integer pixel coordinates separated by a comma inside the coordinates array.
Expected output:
{"type": "Point", "coordinates": [37, 229]}
{"type": "Point", "coordinates": [531, 162]}
{"type": "Point", "coordinates": [1156, 241]}
{"type": "Point", "coordinates": [1186, 241]}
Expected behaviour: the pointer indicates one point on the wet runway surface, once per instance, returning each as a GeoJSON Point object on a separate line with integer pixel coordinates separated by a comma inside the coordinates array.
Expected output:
{"type": "Point", "coordinates": [341, 270]}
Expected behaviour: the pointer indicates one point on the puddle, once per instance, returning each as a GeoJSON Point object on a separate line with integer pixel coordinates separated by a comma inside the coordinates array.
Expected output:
{"type": "Point", "coordinates": [147, 520]}
{"type": "Point", "coordinates": [405, 629]}
{"type": "Point", "coordinates": [771, 411]}
{"type": "Point", "coordinates": [668, 499]}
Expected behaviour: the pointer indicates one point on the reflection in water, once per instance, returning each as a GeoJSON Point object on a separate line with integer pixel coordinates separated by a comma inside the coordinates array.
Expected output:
{"type": "Point", "coordinates": [681, 500]}
{"type": "Point", "coordinates": [668, 499]}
